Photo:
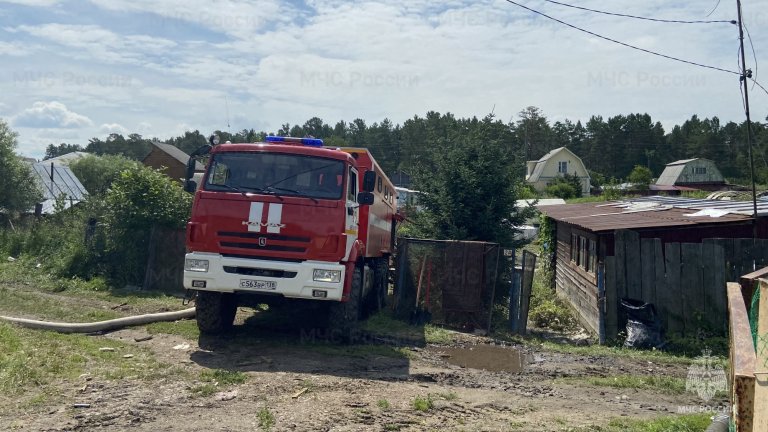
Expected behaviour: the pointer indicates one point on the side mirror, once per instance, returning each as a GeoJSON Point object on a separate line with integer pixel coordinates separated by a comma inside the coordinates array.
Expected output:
{"type": "Point", "coordinates": [365, 198]}
{"type": "Point", "coordinates": [190, 186]}
{"type": "Point", "coordinates": [369, 181]}
{"type": "Point", "coordinates": [191, 168]}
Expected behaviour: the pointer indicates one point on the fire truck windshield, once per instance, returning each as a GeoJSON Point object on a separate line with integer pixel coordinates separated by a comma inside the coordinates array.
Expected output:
{"type": "Point", "coordinates": [276, 173]}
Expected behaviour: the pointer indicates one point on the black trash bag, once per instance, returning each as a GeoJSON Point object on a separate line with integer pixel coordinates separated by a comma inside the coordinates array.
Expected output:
{"type": "Point", "coordinates": [643, 325]}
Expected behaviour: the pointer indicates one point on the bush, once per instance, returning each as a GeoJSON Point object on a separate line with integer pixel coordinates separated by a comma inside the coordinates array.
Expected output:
{"type": "Point", "coordinates": [566, 187]}
{"type": "Point", "coordinates": [562, 190]}
{"type": "Point", "coordinates": [138, 200]}
{"type": "Point", "coordinates": [97, 173]}
{"type": "Point", "coordinates": [108, 234]}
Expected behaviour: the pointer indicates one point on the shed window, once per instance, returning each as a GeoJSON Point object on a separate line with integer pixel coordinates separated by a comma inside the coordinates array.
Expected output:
{"type": "Point", "coordinates": [562, 167]}
{"type": "Point", "coordinates": [584, 252]}
{"type": "Point", "coordinates": [574, 248]}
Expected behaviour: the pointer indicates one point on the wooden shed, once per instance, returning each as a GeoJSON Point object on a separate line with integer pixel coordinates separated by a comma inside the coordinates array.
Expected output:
{"type": "Point", "coordinates": [171, 160]}
{"type": "Point", "coordinates": [675, 253]}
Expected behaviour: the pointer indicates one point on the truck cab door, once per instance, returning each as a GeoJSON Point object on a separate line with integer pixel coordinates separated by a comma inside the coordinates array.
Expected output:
{"type": "Point", "coordinates": [353, 209]}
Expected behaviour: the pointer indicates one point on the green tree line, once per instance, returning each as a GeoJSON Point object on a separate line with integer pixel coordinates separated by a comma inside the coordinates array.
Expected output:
{"type": "Point", "coordinates": [611, 147]}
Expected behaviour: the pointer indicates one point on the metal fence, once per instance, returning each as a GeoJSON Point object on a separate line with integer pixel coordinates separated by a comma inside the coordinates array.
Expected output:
{"type": "Point", "coordinates": [450, 282]}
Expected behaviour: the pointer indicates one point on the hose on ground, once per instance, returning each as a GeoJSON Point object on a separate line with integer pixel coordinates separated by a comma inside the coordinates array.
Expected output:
{"type": "Point", "coordinates": [101, 326]}
{"type": "Point", "coordinates": [720, 423]}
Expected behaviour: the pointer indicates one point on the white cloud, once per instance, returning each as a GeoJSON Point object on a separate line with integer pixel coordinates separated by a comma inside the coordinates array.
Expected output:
{"type": "Point", "coordinates": [50, 115]}
{"type": "Point", "coordinates": [16, 49]}
{"type": "Point", "coordinates": [110, 128]}
{"type": "Point", "coordinates": [238, 18]}
{"type": "Point", "coordinates": [38, 3]}
{"type": "Point", "coordinates": [97, 44]}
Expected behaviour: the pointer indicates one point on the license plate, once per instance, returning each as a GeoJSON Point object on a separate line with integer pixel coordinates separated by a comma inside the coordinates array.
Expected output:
{"type": "Point", "coordinates": [258, 284]}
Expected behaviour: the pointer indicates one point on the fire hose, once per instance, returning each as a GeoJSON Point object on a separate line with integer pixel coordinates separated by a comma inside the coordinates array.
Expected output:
{"type": "Point", "coordinates": [101, 326]}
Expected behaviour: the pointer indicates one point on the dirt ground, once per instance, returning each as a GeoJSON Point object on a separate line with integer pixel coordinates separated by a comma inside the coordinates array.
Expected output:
{"type": "Point", "coordinates": [303, 386]}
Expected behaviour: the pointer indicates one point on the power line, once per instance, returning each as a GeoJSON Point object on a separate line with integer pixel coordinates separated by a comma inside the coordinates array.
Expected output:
{"type": "Point", "coordinates": [643, 18]}
{"type": "Point", "coordinates": [622, 43]}
{"type": "Point", "coordinates": [714, 8]}
{"type": "Point", "coordinates": [754, 54]}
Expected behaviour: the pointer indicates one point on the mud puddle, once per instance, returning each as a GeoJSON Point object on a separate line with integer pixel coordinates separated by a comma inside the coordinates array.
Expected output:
{"type": "Point", "coordinates": [486, 357]}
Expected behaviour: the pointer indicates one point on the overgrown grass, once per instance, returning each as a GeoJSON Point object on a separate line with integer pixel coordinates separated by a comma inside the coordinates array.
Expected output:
{"type": "Point", "coordinates": [662, 384]}
{"type": "Point", "coordinates": [546, 309]}
{"type": "Point", "coordinates": [31, 360]}
{"type": "Point", "coordinates": [682, 423]}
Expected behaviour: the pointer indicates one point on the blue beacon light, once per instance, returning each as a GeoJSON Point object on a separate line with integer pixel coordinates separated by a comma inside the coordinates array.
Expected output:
{"type": "Point", "coordinates": [312, 142]}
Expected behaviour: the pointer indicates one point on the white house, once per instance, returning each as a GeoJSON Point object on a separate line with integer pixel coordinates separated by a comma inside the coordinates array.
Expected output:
{"type": "Point", "coordinates": [557, 163]}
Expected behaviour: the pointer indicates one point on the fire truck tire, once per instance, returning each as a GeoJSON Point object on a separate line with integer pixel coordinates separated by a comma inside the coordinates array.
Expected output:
{"type": "Point", "coordinates": [215, 311]}
{"type": "Point", "coordinates": [344, 318]}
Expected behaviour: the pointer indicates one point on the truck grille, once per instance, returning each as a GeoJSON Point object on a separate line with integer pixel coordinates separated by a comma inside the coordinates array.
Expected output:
{"type": "Point", "coordinates": [274, 242]}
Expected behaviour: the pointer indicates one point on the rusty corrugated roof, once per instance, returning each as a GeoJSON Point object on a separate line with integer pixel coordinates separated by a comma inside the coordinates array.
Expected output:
{"type": "Point", "coordinates": [651, 212]}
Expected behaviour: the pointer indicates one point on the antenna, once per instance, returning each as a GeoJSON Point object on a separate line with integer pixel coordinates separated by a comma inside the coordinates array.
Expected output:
{"type": "Point", "coordinates": [226, 105]}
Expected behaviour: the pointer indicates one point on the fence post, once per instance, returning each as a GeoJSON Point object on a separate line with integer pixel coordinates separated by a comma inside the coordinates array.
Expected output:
{"type": "Point", "coordinates": [514, 290]}
{"type": "Point", "coordinates": [601, 303]}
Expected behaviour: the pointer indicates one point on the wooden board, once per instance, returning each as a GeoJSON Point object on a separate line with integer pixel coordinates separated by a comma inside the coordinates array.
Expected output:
{"type": "Point", "coordinates": [633, 265]}
{"type": "Point", "coordinates": [648, 278]}
{"type": "Point", "coordinates": [691, 287]}
{"type": "Point", "coordinates": [709, 266]}
{"type": "Point", "coordinates": [611, 302]}
{"type": "Point", "coordinates": [761, 363]}
{"type": "Point", "coordinates": [660, 284]}
{"type": "Point", "coordinates": [730, 272]}
{"type": "Point", "coordinates": [720, 295]}
{"type": "Point", "coordinates": [675, 310]}
{"type": "Point", "coordinates": [741, 358]}
{"type": "Point", "coordinates": [621, 276]}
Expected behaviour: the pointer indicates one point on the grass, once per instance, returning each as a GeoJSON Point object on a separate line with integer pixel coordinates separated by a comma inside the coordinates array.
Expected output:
{"type": "Point", "coordinates": [31, 303]}
{"type": "Point", "coordinates": [667, 385]}
{"type": "Point", "coordinates": [266, 418]}
{"type": "Point", "coordinates": [214, 380]}
{"type": "Point", "coordinates": [184, 328]}
{"type": "Point", "coordinates": [682, 423]}
{"type": "Point", "coordinates": [422, 404]}
{"type": "Point", "coordinates": [383, 404]}
{"type": "Point", "coordinates": [33, 360]}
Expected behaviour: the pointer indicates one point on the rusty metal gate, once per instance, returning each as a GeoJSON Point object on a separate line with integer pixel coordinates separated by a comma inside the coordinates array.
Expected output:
{"type": "Point", "coordinates": [448, 282]}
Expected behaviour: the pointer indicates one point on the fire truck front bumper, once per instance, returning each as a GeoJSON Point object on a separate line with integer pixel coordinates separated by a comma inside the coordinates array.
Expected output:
{"type": "Point", "coordinates": [317, 280]}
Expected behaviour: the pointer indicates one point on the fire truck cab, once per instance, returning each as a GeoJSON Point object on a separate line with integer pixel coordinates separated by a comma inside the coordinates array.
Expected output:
{"type": "Point", "coordinates": [289, 219]}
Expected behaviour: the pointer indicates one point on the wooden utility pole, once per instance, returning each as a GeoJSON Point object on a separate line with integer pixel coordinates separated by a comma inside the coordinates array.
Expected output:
{"type": "Point", "coordinates": [745, 75]}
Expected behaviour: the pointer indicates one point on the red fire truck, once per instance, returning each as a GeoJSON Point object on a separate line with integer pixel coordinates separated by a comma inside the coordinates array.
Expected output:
{"type": "Point", "coordinates": [289, 220]}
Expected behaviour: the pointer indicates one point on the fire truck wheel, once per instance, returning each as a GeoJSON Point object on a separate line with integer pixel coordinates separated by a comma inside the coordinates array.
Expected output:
{"type": "Point", "coordinates": [215, 311]}
{"type": "Point", "coordinates": [343, 318]}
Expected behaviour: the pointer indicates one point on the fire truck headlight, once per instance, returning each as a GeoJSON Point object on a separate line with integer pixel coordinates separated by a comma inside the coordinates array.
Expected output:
{"type": "Point", "coordinates": [196, 265]}
{"type": "Point", "coordinates": [333, 276]}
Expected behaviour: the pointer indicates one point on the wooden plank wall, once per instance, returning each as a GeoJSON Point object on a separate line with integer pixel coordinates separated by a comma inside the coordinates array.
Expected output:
{"type": "Point", "coordinates": [684, 281]}
{"type": "Point", "coordinates": [580, 292]}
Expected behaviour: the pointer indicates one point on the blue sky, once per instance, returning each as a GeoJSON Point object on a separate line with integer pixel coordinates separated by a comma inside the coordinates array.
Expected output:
{"type": "Point", "coordinates": [80, 69]}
